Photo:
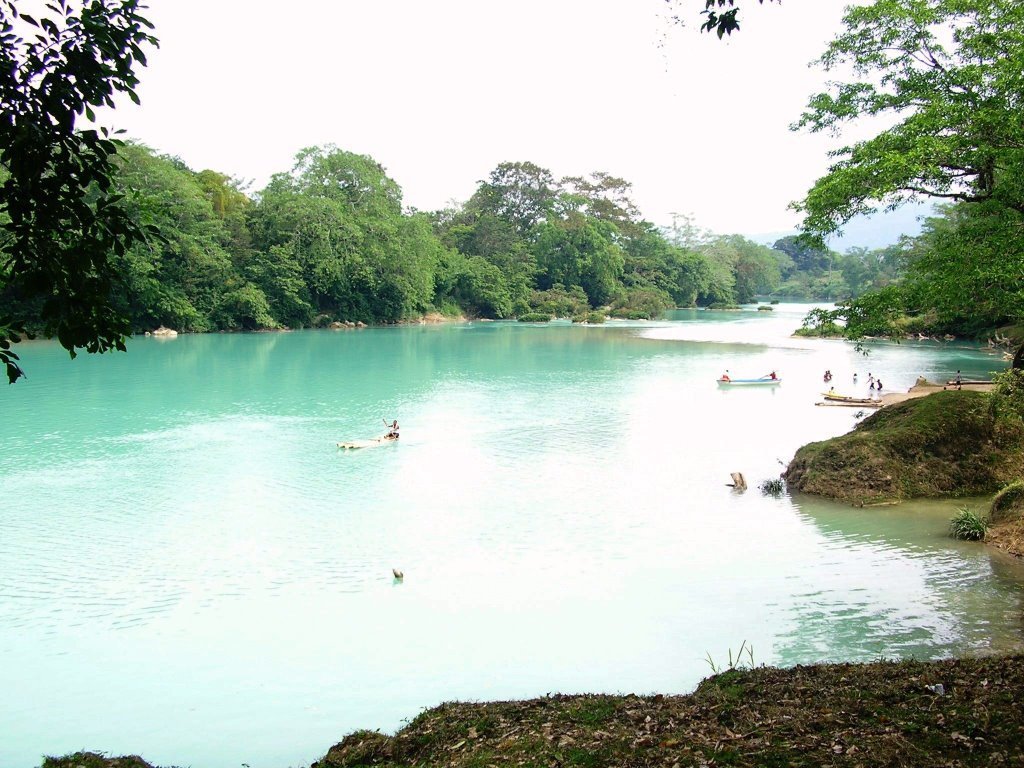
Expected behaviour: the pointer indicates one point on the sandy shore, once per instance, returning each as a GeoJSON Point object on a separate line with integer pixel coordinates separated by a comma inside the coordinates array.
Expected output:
{"type": "Point", "coordinates": [924, 387]}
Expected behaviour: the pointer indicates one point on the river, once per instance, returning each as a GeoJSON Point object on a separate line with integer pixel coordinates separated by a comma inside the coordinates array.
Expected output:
{"type": "Point", "coordinates": [190, 570]}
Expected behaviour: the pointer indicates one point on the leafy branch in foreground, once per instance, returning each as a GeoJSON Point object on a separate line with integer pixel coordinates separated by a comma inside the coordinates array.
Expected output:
{"type": "Point", "coordinates": [62, 222]}
{"type": "Point", "coordinates": [724, 23]}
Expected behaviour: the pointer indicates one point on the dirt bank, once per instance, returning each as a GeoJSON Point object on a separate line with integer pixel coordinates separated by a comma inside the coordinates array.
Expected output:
{"type": "Point", "coordinates": [949, 713]}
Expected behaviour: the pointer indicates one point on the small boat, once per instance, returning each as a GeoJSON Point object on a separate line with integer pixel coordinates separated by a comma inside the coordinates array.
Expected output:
{"type": "Point", "coordinates": [373, 442]}
{"type": "Point", "coordinates": [953, 382]}
{"type": "Point", "coordinates": [747, 382]}
{"type": "Point", "coordinates": [858, 403]}
{"type": "Point", "coordinates": [848, 398]}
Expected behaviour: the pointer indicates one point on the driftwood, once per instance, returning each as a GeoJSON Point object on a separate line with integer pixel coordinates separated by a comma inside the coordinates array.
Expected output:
{"type": "Point", "coordinates": [738, 481]}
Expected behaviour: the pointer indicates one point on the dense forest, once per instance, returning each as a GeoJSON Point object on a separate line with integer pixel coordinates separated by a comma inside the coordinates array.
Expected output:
{"type": "Point", "coordinates": [331, 241]}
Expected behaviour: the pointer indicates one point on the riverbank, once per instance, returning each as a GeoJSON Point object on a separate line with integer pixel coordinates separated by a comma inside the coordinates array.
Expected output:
{"type": "Point", "coordinates": [944, 444]}
{"type": "Point", "coordinates": [959, 712]}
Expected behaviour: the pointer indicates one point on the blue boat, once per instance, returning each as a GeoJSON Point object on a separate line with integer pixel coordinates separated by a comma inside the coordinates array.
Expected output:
{"type": "Point", "coordinates": [764, 380]}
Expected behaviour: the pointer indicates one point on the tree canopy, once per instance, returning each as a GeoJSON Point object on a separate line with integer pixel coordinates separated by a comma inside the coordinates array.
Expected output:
{"type": "Point", "coordinates": [948, 75]}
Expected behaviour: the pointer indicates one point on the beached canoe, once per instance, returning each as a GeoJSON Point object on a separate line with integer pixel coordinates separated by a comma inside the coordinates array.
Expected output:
{"type": "Point", "coordinates": [746, 382]}
{"type": "Point", "coordinates": [853, 404]}
{"type": "Point", "coordinates": [848, 398]}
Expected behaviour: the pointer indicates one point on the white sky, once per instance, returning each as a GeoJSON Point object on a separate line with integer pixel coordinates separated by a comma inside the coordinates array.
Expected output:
{"type": "Point", "coordinates": [441, 91]}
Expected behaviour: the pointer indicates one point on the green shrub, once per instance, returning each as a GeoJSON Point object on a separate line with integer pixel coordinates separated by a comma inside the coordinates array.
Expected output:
{"type": "Point", "coordinates": [1008, 501]}
{"type": "Point", "coordinates": [1006, 402]}
{"type": "Point", "coordinates": [559, 302]}
{"type": "Point", "coordinates": [765, 308]}
{"type": "Point", "coordinates": [775, 486]}
{"type": "Point", "coordinates": [967, 525]}
{"type": "Point", "coordinates": [450, 308]}
{"type": "Point", "coordinates": [534, 317]}
{"type": "Point", "coordinates": [590, 318]}
{"type": "Point", "coordinates": [624, 313]}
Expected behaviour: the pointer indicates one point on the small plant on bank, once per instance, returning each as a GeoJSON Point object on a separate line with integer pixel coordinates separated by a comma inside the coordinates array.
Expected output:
{"type": "Point", "coordinates": [744, 658]}
{"type": "Point", "coordinates": [967, 525]}
{"type": "Point", "coordinates": [775, 486]}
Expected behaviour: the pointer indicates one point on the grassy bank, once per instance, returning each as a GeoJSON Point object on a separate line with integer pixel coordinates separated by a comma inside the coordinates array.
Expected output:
{"type": "Point", "coordinates": [945, 444]}
{"type": "Point", "coordinates": [949, 713]}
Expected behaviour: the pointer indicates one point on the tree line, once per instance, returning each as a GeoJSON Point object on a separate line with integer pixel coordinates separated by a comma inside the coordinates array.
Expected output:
{"type": "Point", "coordinates": [330, 240]}
{"type": "Point", "coordinates": [98, 237]}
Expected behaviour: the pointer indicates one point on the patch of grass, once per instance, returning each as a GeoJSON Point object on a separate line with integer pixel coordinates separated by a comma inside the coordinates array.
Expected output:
{"type": "Point", "coordinates": [967, 525]}
{"type": "Point", "coordinates": [1009, 502]}
{"type": "Point", "coordinates": [591, 710]}
{"type": "Point", "coordinates": [625, 313]}
{"type": "Point", "coordinates": [94, 760]}
{"type": "Point", "coordinates": [585, 758]}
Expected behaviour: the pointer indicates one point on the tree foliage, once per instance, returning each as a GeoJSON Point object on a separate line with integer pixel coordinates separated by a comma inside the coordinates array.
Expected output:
{"type": "Point", "coordinates": [329, 241]}
{"type": "Point", "coordinates": [63, 223]}
{"type": "Point", "coordinates": [948, 75]}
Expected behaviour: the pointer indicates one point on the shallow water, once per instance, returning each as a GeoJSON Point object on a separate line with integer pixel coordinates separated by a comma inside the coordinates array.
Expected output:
{"type": "Point", "coordinates": [190, 570]}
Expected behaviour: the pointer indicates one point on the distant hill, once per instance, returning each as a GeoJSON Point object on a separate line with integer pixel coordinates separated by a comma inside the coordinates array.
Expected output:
{"type": "Point", "coordinates": [875, 231]}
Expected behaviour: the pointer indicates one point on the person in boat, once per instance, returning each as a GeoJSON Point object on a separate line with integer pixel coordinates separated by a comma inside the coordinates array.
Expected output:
{"type": "Point", "coordinates": [772, 376]}
{"type": "Point", "coordinates": [725, 376]}
{"type": "Point", "coordinates": [832, 390]}
{"type": "Point", "coordinates": [392, 429]}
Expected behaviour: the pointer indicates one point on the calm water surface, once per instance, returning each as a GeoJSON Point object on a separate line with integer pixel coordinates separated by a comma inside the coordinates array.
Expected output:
{"type": "Point", "coordinates": [190, 570]}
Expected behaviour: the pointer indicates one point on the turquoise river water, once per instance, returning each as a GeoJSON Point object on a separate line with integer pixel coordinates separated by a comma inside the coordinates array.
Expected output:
{"type": "Point", "coordinates": [191, 570]}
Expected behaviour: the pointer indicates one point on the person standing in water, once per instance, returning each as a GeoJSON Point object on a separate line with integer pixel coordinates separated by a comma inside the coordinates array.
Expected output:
{"type": "Point", "coordinates": [392, 429]}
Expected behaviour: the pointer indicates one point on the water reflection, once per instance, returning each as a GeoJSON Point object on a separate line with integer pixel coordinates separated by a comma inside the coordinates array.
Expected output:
{"type": "Point", "coordinates": [899, 587]}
